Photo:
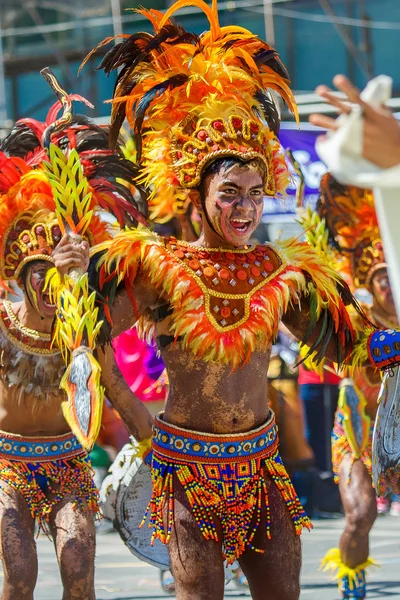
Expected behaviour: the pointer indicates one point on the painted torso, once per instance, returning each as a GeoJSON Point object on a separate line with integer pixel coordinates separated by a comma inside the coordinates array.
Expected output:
{"type": "Point", "coordinates": [225, 308]}
{"type": "Point", "coordinates": [30, 372]}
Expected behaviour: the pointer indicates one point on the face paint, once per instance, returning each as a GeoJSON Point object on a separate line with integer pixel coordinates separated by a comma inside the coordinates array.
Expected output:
{"type": "Point", "coordinates": [382, 291]}
{"type": "Point", "coordinates": [34, 283]}
{"type": "Point", "coordinates": [234, 203]}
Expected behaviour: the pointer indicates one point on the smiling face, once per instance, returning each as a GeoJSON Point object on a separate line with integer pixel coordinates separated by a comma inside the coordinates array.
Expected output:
{"type": "Point", "coordinates": [34, 279]}
{"type": "Point", "coordinates": [233, 200]}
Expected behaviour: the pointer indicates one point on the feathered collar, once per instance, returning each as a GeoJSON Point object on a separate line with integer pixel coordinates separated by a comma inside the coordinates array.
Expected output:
{"type": "Point", "coordinates": [228, 303]}
{"type": "Point", "coordinates": [28, 365]}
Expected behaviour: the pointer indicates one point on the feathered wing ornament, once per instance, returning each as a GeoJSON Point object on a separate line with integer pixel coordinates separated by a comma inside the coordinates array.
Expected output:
{"type": "Point", "coordinates": [76, 327]}
{"type": "Point", "coordinates": [191, 99]}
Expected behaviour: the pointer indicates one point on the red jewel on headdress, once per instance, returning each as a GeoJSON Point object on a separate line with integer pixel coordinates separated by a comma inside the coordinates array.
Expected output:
{"type": "Point", "coordinates": [243, 149]}
{"type": "Point", "coordinates": [25, 238]}
{"type": "Point", "coordinates": [254, 127]}
{"type": "Point", "coordinates": [218, 125]}
{"type": "Point", "coordinates": [21, 225]}
{"type": "Point", "coordinates": [202, 135]}
{"type": "Point", "coordinates": [232, 147]}
{"type": "Point", "coordinates": [256, 149]}
{"type": "Point", "coordinates": [56, 230]}
{"type": "Point", "coordinates": [215, 148]}
{"type": "Point", "coordinates": [45, 251]}
{"type": "Point", "coordinates": [13, 235]}
{"type": "Point", "coordinates": [9, 273]}
{"type": "Point", "coordinates": [379, 246]}
{"type": "Point", "coordinates": [200, 156]}
{"type": "Point", "coordinates": [187, 178]}
{"type": "Point", "coordinates": [236, 122]}
{"type": "Point", "coordinates": [40, 230]}
{"type": "Point", "coordinates": [179, 154]}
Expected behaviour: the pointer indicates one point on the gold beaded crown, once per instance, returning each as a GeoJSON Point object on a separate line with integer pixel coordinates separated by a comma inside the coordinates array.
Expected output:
{"type": "Point", "coordinates": [30, 237]}
{"type": "Point", "coordinates": [351, 219]}
{"type": "Point", "coordinates": [28, 224]}
{"type": "Point", "coordinates": [193, 99]}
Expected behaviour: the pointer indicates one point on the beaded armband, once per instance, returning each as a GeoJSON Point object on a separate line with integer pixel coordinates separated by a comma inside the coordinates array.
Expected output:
{"type": "Point", "coordinates": [384, 348]}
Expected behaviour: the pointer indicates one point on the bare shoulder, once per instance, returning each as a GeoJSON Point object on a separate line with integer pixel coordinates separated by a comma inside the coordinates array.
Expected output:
{"type": "Point", "coordinates": [130, 305]}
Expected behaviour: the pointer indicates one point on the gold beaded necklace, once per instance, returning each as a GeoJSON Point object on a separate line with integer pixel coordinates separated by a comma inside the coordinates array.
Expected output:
{"type": "Point", "coordinates": [24, 338]}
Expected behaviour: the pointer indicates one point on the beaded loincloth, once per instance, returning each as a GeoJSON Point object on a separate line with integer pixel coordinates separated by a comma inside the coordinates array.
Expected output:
{"type": "Point", "coordinates": [224, 479]}
{"type": "Point", "coordinates": [342, 448]}
{"type": "Point", "coordinates": [44, 470]}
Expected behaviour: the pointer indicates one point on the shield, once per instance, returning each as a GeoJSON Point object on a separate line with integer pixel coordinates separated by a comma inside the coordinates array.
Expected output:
{"type": "Point", "coordinates": [386, 438]}
{"type": "Point", "coordinates": [125, 494]}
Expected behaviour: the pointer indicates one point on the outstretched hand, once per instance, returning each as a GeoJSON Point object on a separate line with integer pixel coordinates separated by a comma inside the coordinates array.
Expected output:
{"type": "Point", "coordinates": [71, 254]}
{"type": "Point", "coordinates": [381, 141]}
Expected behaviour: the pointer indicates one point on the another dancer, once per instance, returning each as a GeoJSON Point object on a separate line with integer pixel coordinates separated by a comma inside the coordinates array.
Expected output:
{"type": "Point", "coordinates": [206, 126]}
{"type": "Point", "coordinates": [45, 474]}
{"type": "Point", "coordinates": [351, 220]}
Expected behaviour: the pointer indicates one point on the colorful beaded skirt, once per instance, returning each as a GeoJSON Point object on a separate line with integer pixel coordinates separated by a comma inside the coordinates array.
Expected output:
{"type": "Point", "coordinates": [224, 481]}
{"type": "Point", "coordinates": [46, 469]}
{"type": "Point", "coordinates": [342, 448]}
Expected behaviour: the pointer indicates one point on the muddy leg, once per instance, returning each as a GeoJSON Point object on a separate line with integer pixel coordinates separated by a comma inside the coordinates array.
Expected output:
{"type": "Point", "coordinates": [275, 573]}
{"type": "Point", "coordinates": [17, 547]}
{"type": "Point", "coordinates": [359, 502]}
{"type": "Point", "coordinates": [74, 538]}
{"type": "Point", "coordinates": [196, 563]}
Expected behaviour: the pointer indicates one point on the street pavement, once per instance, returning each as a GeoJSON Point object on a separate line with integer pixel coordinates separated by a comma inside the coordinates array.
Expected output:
{"type": "Point", "coordinates": [120, 576]}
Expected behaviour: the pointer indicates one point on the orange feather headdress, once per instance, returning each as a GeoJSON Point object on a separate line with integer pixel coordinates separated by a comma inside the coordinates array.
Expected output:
{"type": "Point", "coordinates": [352, 222]}
{"type": "Point", "coordinates": [29, 229]}
{"type": "Point", "coordinates": [193, 99]}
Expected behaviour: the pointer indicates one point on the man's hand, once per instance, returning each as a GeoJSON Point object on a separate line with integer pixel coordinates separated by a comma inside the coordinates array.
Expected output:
{"type": "Point", "coordinates": [71, 254]}
{"type": "Point", "coordinates": [381, 143]}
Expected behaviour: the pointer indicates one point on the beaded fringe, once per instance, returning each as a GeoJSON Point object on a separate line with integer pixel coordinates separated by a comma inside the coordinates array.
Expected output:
{"type": "Point", "coordinates": [72, 476]}
{"type": "Point", "coordinates": [236, 502]}
{"type": "Point", "coordinates": [342, 448]}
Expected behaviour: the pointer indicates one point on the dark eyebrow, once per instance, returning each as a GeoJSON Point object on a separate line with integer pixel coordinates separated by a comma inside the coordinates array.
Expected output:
{"type": "Point", "coordinates": [257, 187]}
{"type": "Point", "coordinates": [227, 182]}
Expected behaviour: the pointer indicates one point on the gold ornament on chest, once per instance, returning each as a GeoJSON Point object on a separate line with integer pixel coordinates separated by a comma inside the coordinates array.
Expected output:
{"type": "Point", "coordinates": [228, 278]}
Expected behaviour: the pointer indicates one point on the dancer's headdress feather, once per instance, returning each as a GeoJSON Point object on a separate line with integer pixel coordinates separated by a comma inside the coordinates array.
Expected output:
{"type": "Point", "coordinates": [192, 99]}
{"type": "Point", "coordinates": [28, 225]}
{"type": "Point", "coordinates": [352, 222]}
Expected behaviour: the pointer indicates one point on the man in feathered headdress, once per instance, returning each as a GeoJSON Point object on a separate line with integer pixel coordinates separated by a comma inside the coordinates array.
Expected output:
{"type": "Point", "coordinates": [206, 128]}
{"type": "Point", "coordinates": [45, 474]}
{"type": "Point", "coordinates": [351, 221]}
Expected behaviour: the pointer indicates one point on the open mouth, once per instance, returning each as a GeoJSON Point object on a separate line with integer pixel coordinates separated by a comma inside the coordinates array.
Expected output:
{"type": "Point", "coordinates": [241, 226]}
{"type": "Point", "coordinates": [47, 302]}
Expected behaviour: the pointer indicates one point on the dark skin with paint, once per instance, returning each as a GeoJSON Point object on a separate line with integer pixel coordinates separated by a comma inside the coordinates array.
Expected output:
{"type": "Point", "coordinates": [209, 397]}
{"type": "Point", "coordinates": [358, 496]}
{"type": "Point", "coordinates": [72, 529]}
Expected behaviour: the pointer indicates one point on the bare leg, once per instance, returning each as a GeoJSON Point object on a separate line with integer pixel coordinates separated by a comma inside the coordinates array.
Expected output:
{"type": "Point", "coordinates": [359, 502]}
{"type": "Point", "coordinates": [18, 548]}
{"type": "Point", "coordinates": [274, 574]}
{"type": "Point", "coordinates": [74, 538]}
{"type": "Point", "coordinates": [196, 563]}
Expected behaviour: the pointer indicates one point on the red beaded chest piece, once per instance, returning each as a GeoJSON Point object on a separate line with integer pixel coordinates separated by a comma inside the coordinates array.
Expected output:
{"type": "Point", "coordinates": [228, 278]}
